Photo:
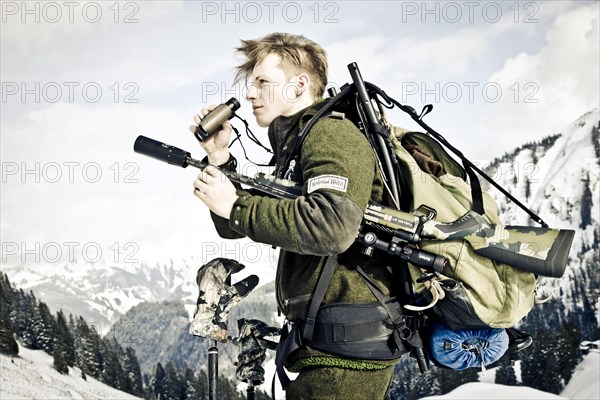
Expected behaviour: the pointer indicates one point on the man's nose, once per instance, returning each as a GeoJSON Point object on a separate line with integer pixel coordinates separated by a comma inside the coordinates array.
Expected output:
{"type": "Point", "coordinates": [252, 92]}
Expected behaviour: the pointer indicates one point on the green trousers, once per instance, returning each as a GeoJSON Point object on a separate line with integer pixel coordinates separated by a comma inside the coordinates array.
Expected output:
{"type": "Point", "coordinates": [329, 383]}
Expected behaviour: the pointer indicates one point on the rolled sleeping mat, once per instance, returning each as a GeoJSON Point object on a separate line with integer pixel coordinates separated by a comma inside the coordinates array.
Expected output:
{"type": "Point", "coordinates": [467, 348]}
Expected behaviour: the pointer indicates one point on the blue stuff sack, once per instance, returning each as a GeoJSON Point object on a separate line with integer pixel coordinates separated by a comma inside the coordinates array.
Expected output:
{"type": "Point", "coordinates": [468, 348]}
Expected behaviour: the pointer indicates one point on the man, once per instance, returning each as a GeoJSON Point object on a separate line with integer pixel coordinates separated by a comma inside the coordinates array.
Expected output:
{"type": "Point", "coordinates": [338, 171]}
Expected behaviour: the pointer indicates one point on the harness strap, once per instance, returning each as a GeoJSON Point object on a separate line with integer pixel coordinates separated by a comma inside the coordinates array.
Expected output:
{"type": "Point", "coordinates": [318, 115]}
{"type": "Point", "coordinates": [289, 341]}
{"type": "Point", "coordinates": [317, 298]}
{"type": "Point", "coordinates": [401, 330]}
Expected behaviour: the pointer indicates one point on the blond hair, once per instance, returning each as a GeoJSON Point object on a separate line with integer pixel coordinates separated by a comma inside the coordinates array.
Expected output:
{"type": "Point", "coordinates": [298, 54]}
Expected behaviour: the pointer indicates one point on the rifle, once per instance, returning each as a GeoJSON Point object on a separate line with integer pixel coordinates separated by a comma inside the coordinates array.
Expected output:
{"type": "Point", "coordinates": [276, 187]}
{"type": "Point", "coordinates": [547, 256]}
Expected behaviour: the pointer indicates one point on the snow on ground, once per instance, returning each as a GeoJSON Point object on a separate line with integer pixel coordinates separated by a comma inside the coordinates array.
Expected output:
{"type": "Point", "coordinates": [490, 391]}
{"type": "Point", "coordinates": [585, 383]}
{"type": "Point", "coordinates": [32, 376]}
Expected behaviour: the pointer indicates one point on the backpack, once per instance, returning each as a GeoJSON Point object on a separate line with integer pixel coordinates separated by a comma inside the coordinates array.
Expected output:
{"type": "Point", "coordinates": [475, 291]}
{"type": "Point", "coordinates": [472, 294]}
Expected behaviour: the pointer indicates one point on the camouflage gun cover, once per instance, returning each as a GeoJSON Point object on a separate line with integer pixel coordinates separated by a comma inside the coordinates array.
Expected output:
{"type": "Point", "coordinates": [543, 251]}
{"type": "Point", "coordinates": [252, 348]}
{"type": "Point", "coordinates": [217, 297]}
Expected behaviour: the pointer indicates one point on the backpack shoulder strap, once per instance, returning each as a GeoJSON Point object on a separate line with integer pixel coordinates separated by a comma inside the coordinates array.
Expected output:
{"type": "Point", "coordinates": [327, 109]}
{"type": "Point", "coordinates": [317, 298]}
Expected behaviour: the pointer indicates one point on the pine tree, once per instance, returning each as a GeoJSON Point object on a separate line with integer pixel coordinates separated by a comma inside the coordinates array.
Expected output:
{"type": "Point", "coordinates": [423, 384]}
{"type": "Point", "coordinates": [87, 349]}
{"type": "Point", "coordinates": [7, 294]}
{"type": "Point", "coordinates": [568, 348]}
{"type": "Point", "coordinates": [123, 379]}
{"type": "Point", "coordinates": [192, 388]}
{"type": "Point", "coordinates": [159, 383]}
{"type": "Point", "coordinates": [172, 384]}
{"type": "Point", "coordinates": [44, 328]}
{"type": "Point", "coordinates": [60, 362]}
{"type": "Point", "coordinates": [586, 204]}
{"type": "Point", "coordinates": [132, 368]}
{"type": "Point", "coordinates": [110, 365]}
{"type": "Point", "coordinates": [66, 338]}
{"type": "Point", "coordinates": [8, 344]}
{"type": "Point", "coordinates": [202, 379]}
{"type": "Point", "coordinates": [505, 374]}
{"type": "Point", "coordinates": [24, 319]}
{"type": "Point", "coordinates": [227, 389]}
{"type": "Point", "coordinates": [540, 365]}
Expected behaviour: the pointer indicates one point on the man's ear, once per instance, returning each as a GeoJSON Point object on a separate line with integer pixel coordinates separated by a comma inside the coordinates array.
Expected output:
{"type": "Point", "coordinates": [303, 84]}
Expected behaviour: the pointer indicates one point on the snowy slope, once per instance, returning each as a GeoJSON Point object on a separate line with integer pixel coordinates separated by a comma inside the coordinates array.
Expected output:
{"type": "Point", "coordinates": [32, 376]}
{"type": "Point", "coordinates": [584, 385]}
{"type": "Point", "coordinates": [550, 177]}
{"type": "Point", "coordinates": [490, 391]}
{"type": "Point", "coordinates": [558, 178]}
{"type": "Point", "coordinates": [585, 382]}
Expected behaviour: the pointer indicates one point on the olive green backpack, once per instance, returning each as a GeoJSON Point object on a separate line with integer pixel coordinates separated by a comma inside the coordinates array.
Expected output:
{"type": "Point", "coordinates": [472, 291]}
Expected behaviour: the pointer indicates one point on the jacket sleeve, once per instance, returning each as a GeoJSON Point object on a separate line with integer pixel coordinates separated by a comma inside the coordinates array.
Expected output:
{"type": "Point", "coordinates": [338, 167]}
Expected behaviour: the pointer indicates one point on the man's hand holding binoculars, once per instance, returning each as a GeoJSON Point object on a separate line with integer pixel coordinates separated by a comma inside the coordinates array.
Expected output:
{"type": "Point", "coordinates": [216, 145]}
{"type": "Point", "coordinates": [211, 186]}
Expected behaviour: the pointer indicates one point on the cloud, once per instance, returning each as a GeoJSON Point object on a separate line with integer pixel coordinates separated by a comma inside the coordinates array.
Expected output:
{"type": "Point", "coordinates": [397, 59]}
{"type": "Point", "coordinates": [69, 174]}
{"type": "Point", "coordinates": [552, 87]}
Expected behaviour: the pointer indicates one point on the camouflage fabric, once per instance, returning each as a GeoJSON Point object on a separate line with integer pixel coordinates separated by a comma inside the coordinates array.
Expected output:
{"type": "Point", "coordinates": [534, 249]}
{"type": "Point", "coordinates": [523, 241]}
{"type": "Point", "coordinates": [217, 297]}
{"type": "Point", "coordinates": [252, 348]}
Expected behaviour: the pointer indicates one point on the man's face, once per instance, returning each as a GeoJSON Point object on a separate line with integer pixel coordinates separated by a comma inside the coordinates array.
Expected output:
{"type": "Point", "coordinates": [271, 92]}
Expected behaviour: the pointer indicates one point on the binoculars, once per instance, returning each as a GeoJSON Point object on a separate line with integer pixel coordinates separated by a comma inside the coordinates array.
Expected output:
{"type": "Point", "coordinates": [212, 121]}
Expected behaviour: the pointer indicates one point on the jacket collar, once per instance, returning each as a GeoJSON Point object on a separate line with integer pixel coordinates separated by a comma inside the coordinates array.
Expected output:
{"type": "Point", "coordinates": [283, 127]}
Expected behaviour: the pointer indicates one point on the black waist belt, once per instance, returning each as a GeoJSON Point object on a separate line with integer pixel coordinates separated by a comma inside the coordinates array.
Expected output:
{"type": "Point", "coordinates": [359, 331]}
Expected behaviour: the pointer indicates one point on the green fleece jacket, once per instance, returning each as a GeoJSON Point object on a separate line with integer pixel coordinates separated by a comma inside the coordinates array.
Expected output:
{"type": "Point", "coordinates": [338, 171]}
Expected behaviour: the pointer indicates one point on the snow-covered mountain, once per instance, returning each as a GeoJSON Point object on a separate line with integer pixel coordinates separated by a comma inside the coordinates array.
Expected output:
{"type": "Point", "coordinates": [101, 292]}
{"type": "Point", "coordinates": [558, 178]}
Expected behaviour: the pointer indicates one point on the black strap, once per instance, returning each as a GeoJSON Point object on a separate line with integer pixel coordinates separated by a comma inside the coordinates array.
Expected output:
{"type": "Point", "coordinates": [476, 193]}
{"type": "Point", "coordinates": [289, 341]}
{"type": "Point", "coordinates": [401, 330]}
{"type": "Point", "coordinates": [318, 115]}
{"type": "Point", "coordinates": [317, 298]}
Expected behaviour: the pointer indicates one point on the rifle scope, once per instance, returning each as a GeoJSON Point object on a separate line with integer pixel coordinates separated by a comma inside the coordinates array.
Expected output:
{"type": "Point", "coordinates": [161, 151]}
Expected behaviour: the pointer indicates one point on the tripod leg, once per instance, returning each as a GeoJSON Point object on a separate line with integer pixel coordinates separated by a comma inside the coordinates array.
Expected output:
{"type": "Point", "coordinates": [213, 370]}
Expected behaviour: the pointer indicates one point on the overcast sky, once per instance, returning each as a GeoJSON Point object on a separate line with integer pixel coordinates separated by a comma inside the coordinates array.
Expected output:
{"type": "Point", "coordinates": [80, 81]}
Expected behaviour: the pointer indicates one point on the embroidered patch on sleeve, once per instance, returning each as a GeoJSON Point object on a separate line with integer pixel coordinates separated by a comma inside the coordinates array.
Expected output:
{"type": "Point", "coordinates": [328, 182]}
